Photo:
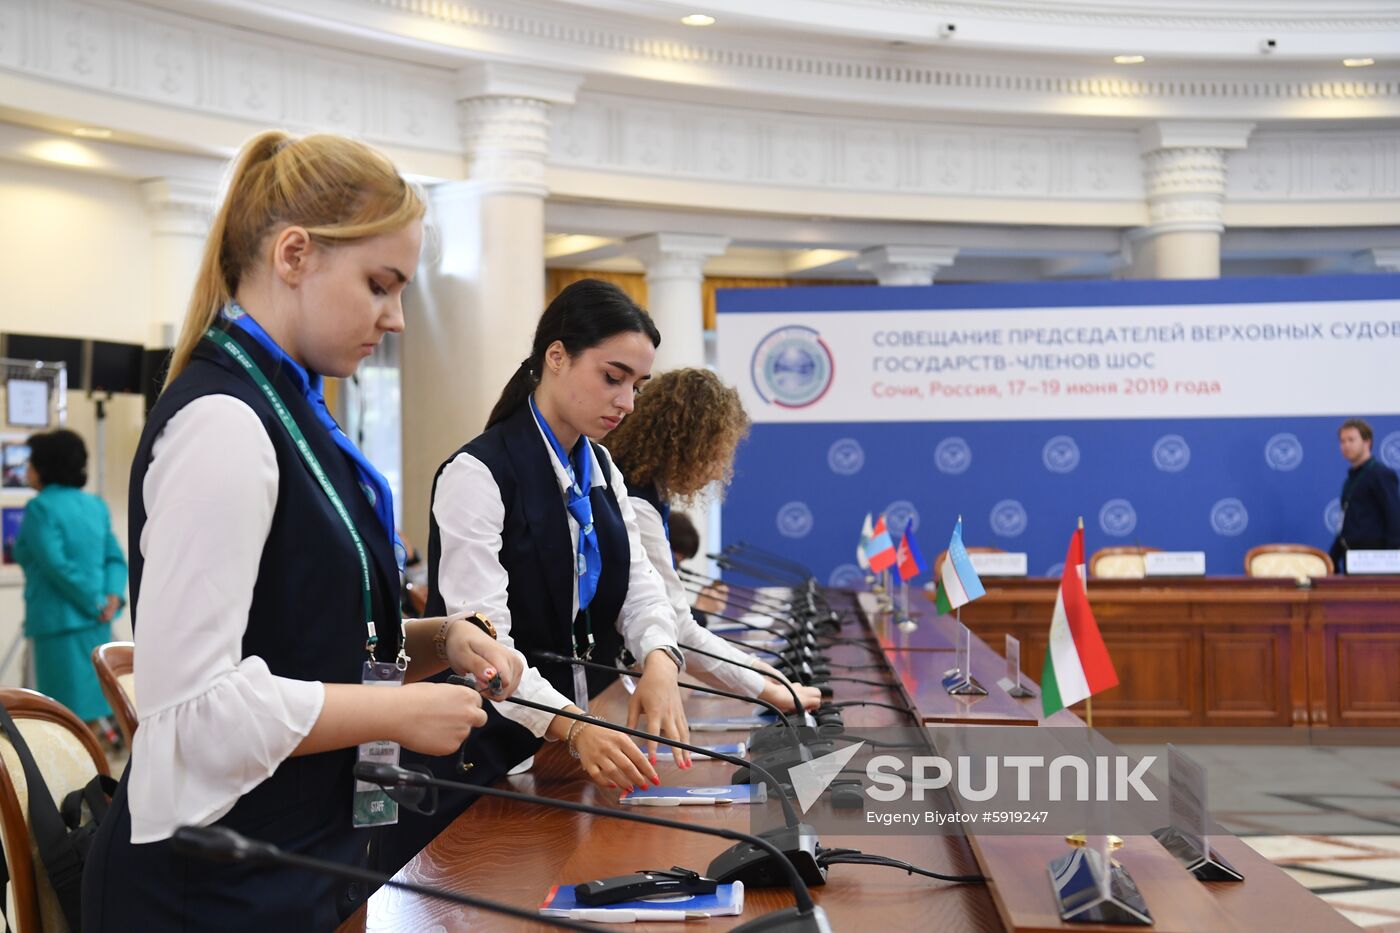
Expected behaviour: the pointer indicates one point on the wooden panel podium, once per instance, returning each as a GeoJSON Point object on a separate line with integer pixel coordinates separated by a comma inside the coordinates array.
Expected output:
{"type": "Point", "coordinates": [514, 853]}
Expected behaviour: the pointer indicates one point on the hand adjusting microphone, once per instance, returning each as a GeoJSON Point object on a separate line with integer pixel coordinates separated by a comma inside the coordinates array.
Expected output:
{"type": "Point", "coordinates": [753, 866]}
{"type": "Point", "coordinates": [805, 917]}
{"type": "Point", "coordinates": [221, 844]}
{"type": "Point", "coordinates": [556, 658]}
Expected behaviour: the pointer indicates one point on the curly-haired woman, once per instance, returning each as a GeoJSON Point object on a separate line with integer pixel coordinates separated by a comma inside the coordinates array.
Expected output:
{"type": "Point", "coordinates": [680, 440]}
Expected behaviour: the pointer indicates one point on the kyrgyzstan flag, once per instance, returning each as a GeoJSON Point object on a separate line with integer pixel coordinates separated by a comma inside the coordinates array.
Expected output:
{"type": "Point", "coordinates": [1077, 664]}
{"type": "Point", "coordinates": [881, 549]}
{"type": "Point", "coordinates": [910, 561]}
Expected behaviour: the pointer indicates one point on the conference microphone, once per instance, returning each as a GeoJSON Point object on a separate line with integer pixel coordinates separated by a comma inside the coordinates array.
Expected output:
{"type": "Point", "coordinates": [796, 702]}
{"type": "Point", "coordinates": [772, 558]}
{"type": "Point", "coordinates": [805, 916]}
{"type": "Point", "coordinates": [752, 593]}
{"type": "Point", "coordinates": [795, 839]}
{"type": "Point", "coordinates": [221, 844]}
{"type": "Point", "coordinates": [729, 562]}
{"type": "Point", "coordinates": [557, 658]}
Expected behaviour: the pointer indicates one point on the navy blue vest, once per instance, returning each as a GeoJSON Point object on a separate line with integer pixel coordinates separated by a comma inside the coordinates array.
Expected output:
{"type": "Point", "coordinates": [305, 622]}
{"type": "Point", "coordinates": [538, 554]}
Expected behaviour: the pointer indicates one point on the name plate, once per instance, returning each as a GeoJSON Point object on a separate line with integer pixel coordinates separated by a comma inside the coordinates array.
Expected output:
{"type": "Point", "coordinates": [1174, 563]}
{"type": "Point", "coordinates": [1010, 564]}
{"type": "Point", "coordinates": [1373, 561]}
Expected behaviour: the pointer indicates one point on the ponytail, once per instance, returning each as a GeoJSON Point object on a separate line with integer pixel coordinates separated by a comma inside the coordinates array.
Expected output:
{"type": "Point", "coordinates": [583, 315]}
{"type": "Point", "coordinates": [522, 383]}
{"type": "Point", "coordinates": [340, 190]}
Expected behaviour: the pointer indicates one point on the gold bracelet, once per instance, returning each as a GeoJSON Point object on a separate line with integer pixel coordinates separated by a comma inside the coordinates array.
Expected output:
{"type": "Point", "coordinates": [573, 730]}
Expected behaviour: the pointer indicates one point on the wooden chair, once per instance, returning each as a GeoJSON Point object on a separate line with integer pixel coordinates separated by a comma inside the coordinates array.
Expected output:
{"type": "Point", "coordinates": [113, 663]}
{"type": "Point", "coordinates": [1119, 563]}
{"type": "Point", "coordinates": [1297, 561]}
{"type": "Point", "coordinates": [68, 756]}
{"type": "Point", "coordinates": [943, 555]}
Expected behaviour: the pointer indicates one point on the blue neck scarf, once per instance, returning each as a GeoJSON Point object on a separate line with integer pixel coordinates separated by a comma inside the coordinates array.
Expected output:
{"type": "Point", "coordinates": [372, 482]}
{"type": "Point", "coordinates": [579, 468]}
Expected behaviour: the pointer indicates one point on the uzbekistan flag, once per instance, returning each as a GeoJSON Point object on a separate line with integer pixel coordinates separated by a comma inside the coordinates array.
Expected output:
{"type": "Point", "coordinates": [907, 556]}
{"type": "Point", "coordinates": [881, 548]}
{"type": "Point", "coordinates": [863, 548]}
{"type": "Point", "coordinates": [958, 584]}
{"type": "Point", "coordinates": [1077, 664]}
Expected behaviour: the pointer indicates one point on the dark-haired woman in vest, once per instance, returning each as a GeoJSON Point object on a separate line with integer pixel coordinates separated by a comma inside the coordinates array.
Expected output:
{"type": "Point", "coordinates": [679, 443]}
{"type": "Point", "coordinates": [264, 577]}
{"type": "Point", "coordinates": [532, 525]}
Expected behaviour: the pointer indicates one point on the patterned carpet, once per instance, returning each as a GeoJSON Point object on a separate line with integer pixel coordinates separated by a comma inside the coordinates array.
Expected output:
{"type": "Point", "coordinates": [1328, 815]}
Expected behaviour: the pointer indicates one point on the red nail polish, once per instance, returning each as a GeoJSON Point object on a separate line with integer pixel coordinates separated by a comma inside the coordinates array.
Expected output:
{"type": "Point", "coordinates": [656, 781]}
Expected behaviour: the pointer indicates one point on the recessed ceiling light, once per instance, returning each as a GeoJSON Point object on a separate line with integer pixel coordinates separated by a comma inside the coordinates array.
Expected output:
{"type": "Point", "coordinates": [698, 19]}
{"type": "Point", "coordinates": [93, 132]}
{"type": "Point", "coordinates": [1129, 59]}
{"type": "Point", "coordinates": [1358, 62]}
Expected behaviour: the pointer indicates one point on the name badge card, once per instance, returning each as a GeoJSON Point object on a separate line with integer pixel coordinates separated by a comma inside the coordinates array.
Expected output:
{"type": "Point", "coordinates": [1373, 561]}
{"type": "Point", "coordinates": [1010, 564]}
{"type": "Point", "coordinates": [1012, 683]}
{"type": "Point", "coordinates": [1174, 563]}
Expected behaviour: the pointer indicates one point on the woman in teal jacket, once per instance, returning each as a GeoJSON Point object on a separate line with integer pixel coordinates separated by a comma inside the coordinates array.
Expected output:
{"type": "Point", "coordinates": [74, 573]}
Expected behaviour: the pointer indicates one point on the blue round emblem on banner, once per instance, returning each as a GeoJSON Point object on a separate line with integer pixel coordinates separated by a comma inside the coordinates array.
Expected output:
{"type": "Point", "coordinates": [1171, 453]}
{"type": "Point", "coordinates": [1229, 517]}
{"type": "Point", "coordinates": [1008, 518]}
{"type": "Point", "coordinates": [1060, 454]}
{"type": "Point", "coordinates": [846, 577]}
{"type": "Point", "coordinates": [1389, 450]}
{"type": "Point", "coordinates": [952, 456]}
{"type": "Point", "coordinates": [1118, 518]}
{"type": "Point", "coordinates": [792, 367]}
{"type": "Point", "coordinates": [1283, 452]}
{"type": "Point", "coordinates": [901, 514]}
{"type": "Point", "coordinates": [795, 520]}
{"type": "Point", "coordinates": [1332, 516]}
{"type": "Point", "coordinates": [845, 457]}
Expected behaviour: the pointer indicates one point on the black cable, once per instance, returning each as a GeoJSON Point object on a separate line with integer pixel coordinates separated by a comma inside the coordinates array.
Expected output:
{"type": "Point", "coordinates": [860, 858]}
{"type": "Point", "coordinates": [912, 714]}
{"type": "Point", "coordinates": [836, 678]}
{"type": "Point", "coordinates": [857, 667]}
{"type": "Point", "coordinates": [749, 645]}
{"type": "Point", "coordinates": [878, 743]}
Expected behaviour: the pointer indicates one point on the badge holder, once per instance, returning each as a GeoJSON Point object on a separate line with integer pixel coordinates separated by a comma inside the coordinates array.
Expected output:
{"type": "Point", "coordinates": [373, 805]}
{"type": "Point", "coordinates": [1012, 682]}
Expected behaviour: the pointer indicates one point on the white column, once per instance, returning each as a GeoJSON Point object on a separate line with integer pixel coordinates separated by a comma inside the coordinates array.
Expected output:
{"type": "Point", "coordinates": [471, 321]}
{"type": "Point", "coordinates": [180, 213]}
{"type": "Point", "coordinates": [906, 265]}
{"type": "Point", "coordinates": [675, 264]}
{"type": "Point", "coordinates": [1184, 177]}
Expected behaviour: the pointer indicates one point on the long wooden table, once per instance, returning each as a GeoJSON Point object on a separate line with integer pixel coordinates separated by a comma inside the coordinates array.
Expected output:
{"type": "Point", "coordinates": [1224, 651]}
{"type": "Point", "coordinates": [515, 853]}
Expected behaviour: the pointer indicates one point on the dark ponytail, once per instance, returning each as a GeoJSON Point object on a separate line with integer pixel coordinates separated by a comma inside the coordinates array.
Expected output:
{"type": "Point", "coordinates": [583, 315]}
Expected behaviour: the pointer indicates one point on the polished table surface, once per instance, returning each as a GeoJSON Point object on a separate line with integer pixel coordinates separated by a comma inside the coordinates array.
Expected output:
{"type": "Point", "coordinates": [515, 853]}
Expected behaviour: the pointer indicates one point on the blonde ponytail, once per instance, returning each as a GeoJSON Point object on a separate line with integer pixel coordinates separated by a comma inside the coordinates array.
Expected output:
{"type": "Point", "coordinates": [340, 190]}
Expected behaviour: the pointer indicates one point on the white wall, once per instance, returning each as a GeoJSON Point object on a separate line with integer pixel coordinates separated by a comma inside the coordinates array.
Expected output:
{"type": "Point", "coordinates": [76, 260]}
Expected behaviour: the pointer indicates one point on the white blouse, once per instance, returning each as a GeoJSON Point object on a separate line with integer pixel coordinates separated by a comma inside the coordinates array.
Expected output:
{"type": "Point", "coordinates": [690, 632]}
{"type": "Point", "coordinates": [213, 724]}
{"type": "Point", "coordinates": [470, 517]}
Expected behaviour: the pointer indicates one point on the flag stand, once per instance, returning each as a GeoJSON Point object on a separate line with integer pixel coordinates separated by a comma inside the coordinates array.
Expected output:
{"type": "Point", "coordinates": [959, 681]}
{"type": "Point", "coordinates": [905, 620]}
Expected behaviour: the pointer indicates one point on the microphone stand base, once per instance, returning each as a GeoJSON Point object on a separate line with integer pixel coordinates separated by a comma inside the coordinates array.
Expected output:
{"type": "Point", "coordinates": [756, 868]}
{"type": "Point", "coordinates": [787, 920]}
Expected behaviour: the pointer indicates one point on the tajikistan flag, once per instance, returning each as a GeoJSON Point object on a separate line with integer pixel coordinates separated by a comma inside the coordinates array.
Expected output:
{"type": "Point", "coordinates": [1077, 664]}
{"type": "Point", "coordinates": [958, 583]}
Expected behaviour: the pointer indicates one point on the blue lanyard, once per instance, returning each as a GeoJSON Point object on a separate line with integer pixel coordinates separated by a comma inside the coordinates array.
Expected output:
{"type": "Point", "coordinates": [589, 561]}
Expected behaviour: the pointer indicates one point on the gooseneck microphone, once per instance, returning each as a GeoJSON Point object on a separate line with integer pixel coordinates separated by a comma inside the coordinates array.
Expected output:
{"type": "Point", "coordinates": [221, 844]}
{"type": "Point", "coordinates": [796, 840]}
{"type": "Point", "coordinates": [805, 916]}
{"type": "Point", "coordinates": [698, 688]}
{"type": "Point", "coordinates": [796, 702]}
